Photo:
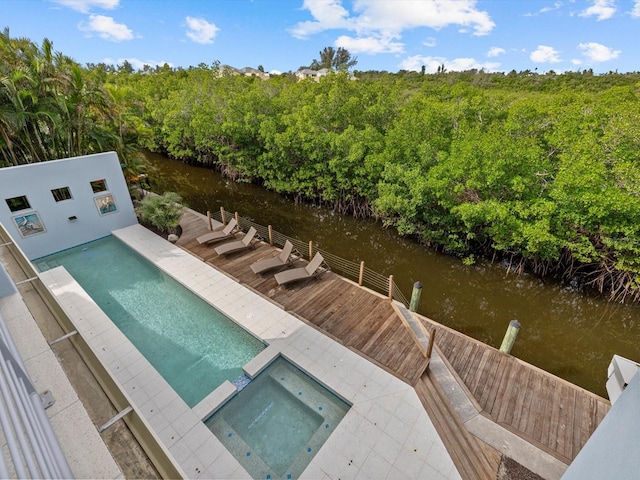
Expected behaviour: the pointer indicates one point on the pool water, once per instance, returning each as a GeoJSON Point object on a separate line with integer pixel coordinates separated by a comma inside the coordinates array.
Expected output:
{"type": "Point", "coordinates": [278, 422]}
{"type": "Point", "coordinates": [190, 343]}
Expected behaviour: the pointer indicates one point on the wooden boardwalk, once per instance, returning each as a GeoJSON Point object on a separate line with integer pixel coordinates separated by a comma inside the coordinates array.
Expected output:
{"type": "Point", "coordinates": [545, 410]}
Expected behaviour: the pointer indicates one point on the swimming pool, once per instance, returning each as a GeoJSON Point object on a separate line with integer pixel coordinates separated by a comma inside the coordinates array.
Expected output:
{"type": "Point", "coordinates": [190, 343]}
{"type": "Point", "coordinates": [278, 422]}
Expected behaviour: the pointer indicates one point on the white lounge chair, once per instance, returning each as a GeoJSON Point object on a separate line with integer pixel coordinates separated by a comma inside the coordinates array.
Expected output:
{"type": "Point", "coordinates": [238, 245]}
{"type": "Point", "coordinates": [312, 269]}
{"type": "Point", "coordinates": [274, 262]}
{"type": "Point", "coordinates": [218, 235]}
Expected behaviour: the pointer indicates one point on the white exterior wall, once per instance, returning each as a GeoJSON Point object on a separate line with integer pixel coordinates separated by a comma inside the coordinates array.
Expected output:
{"type": "Point", "coordinates": [612, 450]}
{"type": "Point", "coordinates": [36, 181]}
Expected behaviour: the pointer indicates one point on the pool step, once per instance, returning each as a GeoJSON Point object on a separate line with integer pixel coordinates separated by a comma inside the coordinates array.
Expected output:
{"type": "Point", "coordinates": [241, 382]}
{"type": "Point", "coordinates": [48, 265]}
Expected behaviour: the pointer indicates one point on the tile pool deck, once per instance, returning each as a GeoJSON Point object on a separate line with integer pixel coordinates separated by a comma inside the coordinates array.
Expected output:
{"type": "Point", "coordinates": [385, 434]}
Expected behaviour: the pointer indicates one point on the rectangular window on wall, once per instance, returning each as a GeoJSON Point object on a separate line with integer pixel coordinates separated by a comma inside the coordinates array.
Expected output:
{"type": "Point", "coordinates": [18, 203]}
{"type": "Point", "coordinates": [60, 194]}
{"type": "Point", "coordinates": [99, 186]}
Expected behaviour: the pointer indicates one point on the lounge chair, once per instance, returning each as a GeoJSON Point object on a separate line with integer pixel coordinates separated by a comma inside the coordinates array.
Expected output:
{"type": "Point", "coordinates": [312, 269]}
{"type": "Point", "coordinates": [218, 235]}
{"type": "Point", "coordinates": [274, 262]}
{"type": "Point", "coordinates": [238, 245]}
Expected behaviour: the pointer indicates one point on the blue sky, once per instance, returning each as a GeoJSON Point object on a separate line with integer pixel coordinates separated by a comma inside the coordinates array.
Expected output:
{"type": "Point", "coordinates": [282, 35]}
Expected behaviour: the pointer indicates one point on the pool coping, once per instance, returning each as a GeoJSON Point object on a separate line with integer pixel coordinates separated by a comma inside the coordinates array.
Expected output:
{"type": "Point", "coordinates": [385, 434]}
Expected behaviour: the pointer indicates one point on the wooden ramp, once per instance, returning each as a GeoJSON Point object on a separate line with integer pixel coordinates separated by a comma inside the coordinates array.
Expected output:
{"type": "Point", "coordinates": [548, 412]}
{"type": "Point", "coordinates": [473, 458]}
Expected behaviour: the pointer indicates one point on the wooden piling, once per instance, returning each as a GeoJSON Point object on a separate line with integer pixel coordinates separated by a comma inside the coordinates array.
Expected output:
{"type": "Point", "coordinates": [238, 219]}
{"type": "Point", "coordinates": [432, 337]}
{"type": "Point", "coordinates": [390, 287]}
{"type": "Point", "coordinates": [270, 235]}
{"type": "Point", "coordinates": [415, 296]}
{"type": "Point", "coordinates": [310, 249]}
{"type": "Point", "coordinates": [361, 277]}
{"type": "Point", "coordinates": [209, 220]}
{"type": "Point", "coordinates": [510, 336]}
{"type": "Point", "coordinates": [224, 220]}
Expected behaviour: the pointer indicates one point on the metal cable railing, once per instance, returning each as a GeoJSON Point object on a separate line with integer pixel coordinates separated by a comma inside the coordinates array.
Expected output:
{"type": "Point", "coordinates": [32, 449]}
{"type": "Point", "coordinates": [32, 446]}
{"type": "Point", "coordinates": [348, 269]}
{"type": "Point", "coordinates": [149, 442]}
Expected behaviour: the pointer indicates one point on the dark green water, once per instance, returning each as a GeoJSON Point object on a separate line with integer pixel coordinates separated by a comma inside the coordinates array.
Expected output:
{"type": "Point", "coordinates": [566, 333]}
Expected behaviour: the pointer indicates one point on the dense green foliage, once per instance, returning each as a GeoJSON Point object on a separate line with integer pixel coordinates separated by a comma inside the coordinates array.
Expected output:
{"type": "Point", "coordinates": [50, 107]}
{"type": "Point", "coordinates": [540, 171]}
{"type": "Point", "coordinates": [161, 211]}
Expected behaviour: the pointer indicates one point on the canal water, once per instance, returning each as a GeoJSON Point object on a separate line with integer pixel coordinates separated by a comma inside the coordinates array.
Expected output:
{"type": "Point", "coordinates": [564, 332]}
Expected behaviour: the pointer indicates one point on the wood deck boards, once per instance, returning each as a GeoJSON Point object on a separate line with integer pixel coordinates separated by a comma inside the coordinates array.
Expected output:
{"type": "Point", "coordinates": [473, 458]}
{"type": "Point", "coordinates": [348, 313]}
{"type": "Point", "coordinates": [543, 409]}
{"type": "Point", "coordinates": [551, 413]}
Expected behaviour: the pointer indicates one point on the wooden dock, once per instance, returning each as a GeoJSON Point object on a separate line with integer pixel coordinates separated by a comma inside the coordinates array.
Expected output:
{"type": "Point", "coordinates": [546, 411]}
{"type": "Point", "coordinates": [549, 412]}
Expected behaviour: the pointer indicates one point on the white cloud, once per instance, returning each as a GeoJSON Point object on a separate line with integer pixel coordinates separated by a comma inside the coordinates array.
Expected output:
{"type": "Point", "coordinates": [431, 42]}
{"type": "Point", "coordinates": [544, 54]}
{"type": "Point", "coordinates": [555, 6]}
{"type": "Point", "coordinates": [85, 6]}
{"type": "Point", "coordinates": [201, 31]}
{"type": "Point", "coordinates": [635, 12]}
{"type": "Point", "coordinates": [596, 52]}
{"type": "Point", "coordinates": [431, 64]}
{"type": "Point", "coordinates": [328, 14]}
{"type": "Point", "coordinates": [377, 24]}
{"type": "Point", "coordinates": [603, 9]}
{"type": "Point", "coordinates": [370, 45]}
{"type": "Point", "coordinates": [495, 51]}
{"type": "Point", "coordinates": [106, 28]}
{"type": "Point", "coordinates": [543, 10]}
{"type": "Point", "coordinates": [405, 14]}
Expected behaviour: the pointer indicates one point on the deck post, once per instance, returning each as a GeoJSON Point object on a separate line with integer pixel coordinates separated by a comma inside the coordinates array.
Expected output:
{"type": "Point", "coordinates": [432, 337]}
{"type": "Point", "coordinates": [415, 296]}
{"type": "Point", "coordinates": [390, 287]}
{"type": "Point", "coordinates": [361, 277]}
{"type": "Point", "coordinates": [224, 220]}
{"type": "Point", "coordinates": [510, 336]}
{"type": "Point", "coordinates": [209, 220]}
{"type": "Point", "coordinates": [270, 235]}
{"type": "Point", "coordinates": [310, 249]}
{"type": "Point", "coordinates": [238, 219]}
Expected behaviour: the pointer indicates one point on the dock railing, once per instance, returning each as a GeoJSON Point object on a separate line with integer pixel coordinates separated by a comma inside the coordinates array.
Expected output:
{"type": "Point", "coordinates": [357, 272]}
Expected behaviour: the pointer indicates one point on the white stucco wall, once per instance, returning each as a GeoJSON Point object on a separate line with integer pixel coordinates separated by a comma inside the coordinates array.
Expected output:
{"type": "Point", "coordinates": [36, 181]}
{"type": "Point", "coordinates": [612, 450]}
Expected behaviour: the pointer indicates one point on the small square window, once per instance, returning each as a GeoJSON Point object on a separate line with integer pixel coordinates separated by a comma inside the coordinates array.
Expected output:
{"type": "Point", "coordinates": [99, 186]}
{"type": "Point", "coordinates": [18, 203]}
{"type": "Point", "coordinates": [60, 194]}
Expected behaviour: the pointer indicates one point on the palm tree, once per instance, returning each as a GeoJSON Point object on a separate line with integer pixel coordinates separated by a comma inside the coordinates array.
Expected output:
{"type": "Point", "coordinates": [51, 108]}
